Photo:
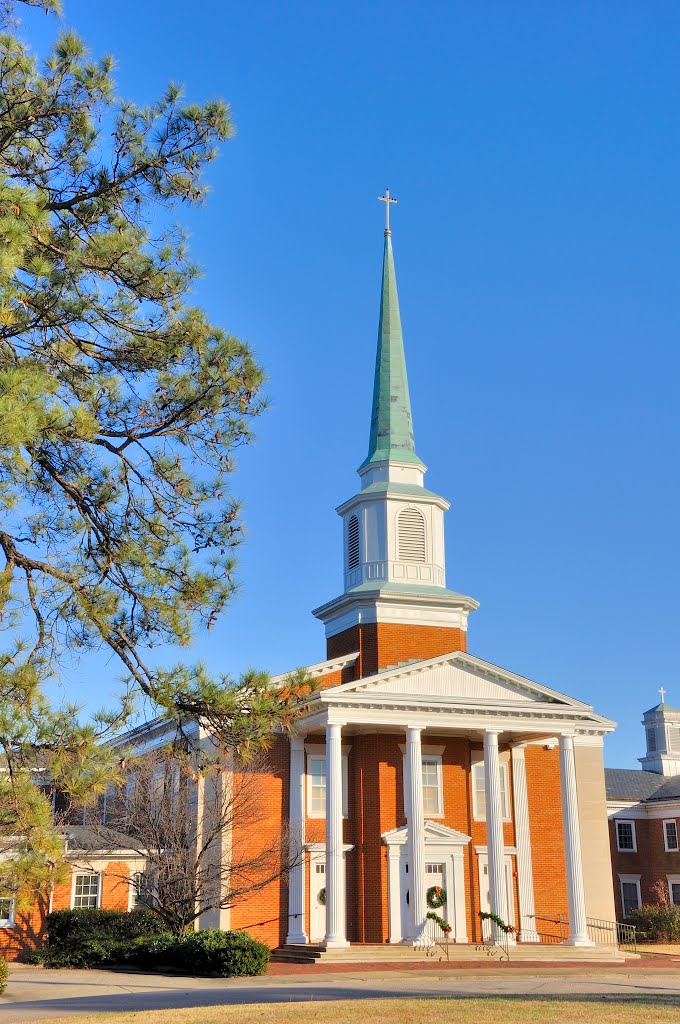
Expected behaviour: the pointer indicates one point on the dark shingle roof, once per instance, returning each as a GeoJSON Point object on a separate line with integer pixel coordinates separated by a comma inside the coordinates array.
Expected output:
{"type": "Point", "coordinates": [670, 790]}
{"type": "Point", "coordinates": [632, 783]}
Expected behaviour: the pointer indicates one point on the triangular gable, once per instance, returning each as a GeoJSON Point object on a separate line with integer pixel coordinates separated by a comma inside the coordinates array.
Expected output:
{"type": "Point", "coordinates": [435, 832]}
{"type": "Point", "coordinates": [462, 677]}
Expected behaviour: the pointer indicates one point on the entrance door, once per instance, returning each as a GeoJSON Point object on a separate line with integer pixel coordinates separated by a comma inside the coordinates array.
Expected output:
{"type": "Point", "coordinates": [317, 889]}
{"type": "Point", "coordinates": [485, 903]}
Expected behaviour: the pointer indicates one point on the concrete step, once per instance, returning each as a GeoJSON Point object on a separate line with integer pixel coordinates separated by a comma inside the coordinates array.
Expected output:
{"type": "Point", "coordinates": [525, 952]}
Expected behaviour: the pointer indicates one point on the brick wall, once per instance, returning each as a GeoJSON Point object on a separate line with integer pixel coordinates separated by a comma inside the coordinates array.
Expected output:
{"type": "Point", "coordinates": [547, 838]}
{"type": "Point", "coordinates": [28, 932]}
{"type": "Point", "coordinates": [384, 643]}
{"type": "Point", "coordinates": [651, 860]}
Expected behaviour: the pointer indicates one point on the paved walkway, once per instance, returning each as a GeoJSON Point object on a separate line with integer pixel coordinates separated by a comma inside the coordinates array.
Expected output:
{"type": "Point", "coordinates": [34, 994]}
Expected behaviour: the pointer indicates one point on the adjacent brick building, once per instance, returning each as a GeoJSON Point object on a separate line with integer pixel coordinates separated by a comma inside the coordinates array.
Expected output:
{"type": "Point", "coordinates": [644, 817]}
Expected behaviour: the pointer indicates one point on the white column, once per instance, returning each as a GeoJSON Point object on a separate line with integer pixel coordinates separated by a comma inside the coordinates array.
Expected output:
{"type": "Point", "coordinates": [494, 830]}
{"type": "Point", "coordinates": [413, 802]}
{"type": "Point", "coordinates": [525, 873]}
{"type": "Point", "coordinates": [578, 930]}
{"type": "Point", "coordinates": [296, 816]}
{"type": "Point", "coordinates": [335, 866]}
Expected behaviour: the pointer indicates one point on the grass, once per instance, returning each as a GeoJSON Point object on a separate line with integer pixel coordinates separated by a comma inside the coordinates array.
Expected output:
{"type": "Point", "coordinates": [435, 1010]}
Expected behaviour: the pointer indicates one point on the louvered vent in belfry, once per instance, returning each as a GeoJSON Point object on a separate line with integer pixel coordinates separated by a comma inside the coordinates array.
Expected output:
{"type": "Point", "coordinates": [353, 543]}
{"type": "Point", "coordinates": [411, 534]}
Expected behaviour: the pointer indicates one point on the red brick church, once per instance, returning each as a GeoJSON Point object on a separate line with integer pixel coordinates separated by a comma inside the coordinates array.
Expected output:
{"type": "Point", "coordinates": [416, 762]}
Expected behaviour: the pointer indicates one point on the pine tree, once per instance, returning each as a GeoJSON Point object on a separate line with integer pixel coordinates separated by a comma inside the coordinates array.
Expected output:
{"type": "Point", "coordinates": [121, 408]}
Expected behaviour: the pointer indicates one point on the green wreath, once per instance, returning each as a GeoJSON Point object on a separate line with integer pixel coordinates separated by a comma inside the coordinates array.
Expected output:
{"type": "Point", "coordinates": [322, 897]}
{"type": "Point", "coordinates": [436, 897]}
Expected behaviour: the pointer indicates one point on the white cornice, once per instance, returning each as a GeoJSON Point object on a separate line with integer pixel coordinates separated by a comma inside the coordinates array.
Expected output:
{"type": "Point", "coordinates": [322, 668]}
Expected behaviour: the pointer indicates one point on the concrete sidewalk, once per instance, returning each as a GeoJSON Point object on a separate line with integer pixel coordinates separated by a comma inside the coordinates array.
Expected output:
{"type": "Point", "coordinates": [34, 994]}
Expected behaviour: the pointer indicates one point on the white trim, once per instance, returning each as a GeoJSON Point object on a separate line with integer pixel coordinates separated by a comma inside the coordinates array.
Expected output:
{"type": "Point", "coordinates": [672, 880]}
{"type": "Point", "coordinates": [437, 758]}
{"type": "Point", "coordinates": [317, 752]}
{"type": "Point", "coordinates": [8, 922]}
{"type": "Point", "coordinates": [629, 880]}
{"type": "Point", "coordinates": [505, 786]}
{"type": "Point", "coordinates": [322, 668]}
{"type": "Point", "coordinates": [79, 873]}
{"type": "Point", "coordinates": [626, 849]}
{"type": "Point", "coordinates": [671, 849]}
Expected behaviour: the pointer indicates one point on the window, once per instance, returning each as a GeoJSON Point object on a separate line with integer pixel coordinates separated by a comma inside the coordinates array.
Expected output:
{"type": "Point", "coordinates": [651, 740]}
{"type": "Point", "coordinates": [6, 912]}
{"type": "Point", "coordinates": [479, 792]}
{"type": "Point", "coordinates": [674, 889]}
{"type": "Point", "coordinates": [630, 893]}
{"type": "Point", "coordinates": [141, 891]}
{"type": "Point", "coordinates": [670, 834]}
{"type": "Point", "coordinates": [353, 542]}
{"type": "Point", "coordinates": [625, 836]}
{"type": "Point", "coordinates": [434, 869]}
{"type": "Point", "coordinates": [316, 785]}
{"type": "Point", "coordinates": [107, 803]}
{"type": "Point", "coordinates": [433, 804]}
{"type": "Point", "coordinates": [411, 535]}
{"type": "Point", "coordinates": [85, 891]}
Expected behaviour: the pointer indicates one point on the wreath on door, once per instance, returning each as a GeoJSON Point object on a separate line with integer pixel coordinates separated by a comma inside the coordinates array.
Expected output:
{"type": "Point", "coordinates": [322, 897]}
{"type": "Point", "coordinates": [436, 897]}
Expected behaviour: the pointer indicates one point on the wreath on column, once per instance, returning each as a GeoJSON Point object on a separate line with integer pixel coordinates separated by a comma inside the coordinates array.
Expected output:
{"type": "Point", "coordinates": [322, 897]}
{"type": "Point", "coordinates": [436, 897]}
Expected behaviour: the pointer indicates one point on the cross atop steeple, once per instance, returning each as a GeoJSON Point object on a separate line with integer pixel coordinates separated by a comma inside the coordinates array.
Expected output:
{"type": "Point", "coordinates": [387, 199]}
{"type": "Point", "coordinates": [663, 694]}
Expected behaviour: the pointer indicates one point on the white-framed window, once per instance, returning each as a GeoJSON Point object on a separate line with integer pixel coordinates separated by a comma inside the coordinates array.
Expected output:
{"type": "Point", "coordinates": [433, 790]}
{"type": "Point", "coordinates": [316, 785]}
{"type": "Point", "coordinates": [670, 835]}
{"type": "Point", "coordinates": [630, 893]}
{"type": "Point", "coordinates": [6, 912]}
{"type": "Point", "coordinates": [674, 889]}
{"type": "Point", "coordinates": [479, 792]}
{"type": "Point", "coordinates": [625, 836]}
{"type": "Point", "coordinates": [86, 890]}
{"type": "Point", "coordinates": [107, 803]}
{"type": "Point", "coordinates": [141, 891]}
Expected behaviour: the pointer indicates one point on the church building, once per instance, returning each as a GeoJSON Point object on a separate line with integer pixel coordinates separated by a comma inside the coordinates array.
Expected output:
{"type": "Point", "coordinates": [417, 764]}
{"type": "Point", "coordinates": [419, 777]}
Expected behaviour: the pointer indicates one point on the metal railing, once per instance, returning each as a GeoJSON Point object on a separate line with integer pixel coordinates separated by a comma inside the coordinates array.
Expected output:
{"type": "Point", "coordinates": [612, 933]}
{"type": "Point", "coordinates": [495, 942]}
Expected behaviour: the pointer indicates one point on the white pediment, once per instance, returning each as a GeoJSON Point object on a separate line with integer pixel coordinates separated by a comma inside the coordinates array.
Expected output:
{"type": "Point", "coordinates": [459, 676]}
{"type": "Point", "coordinates": [435, 832]}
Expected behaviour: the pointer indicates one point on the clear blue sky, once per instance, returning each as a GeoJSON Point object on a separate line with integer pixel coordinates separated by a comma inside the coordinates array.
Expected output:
{"type": "Point", "coordinates": [535, 155]}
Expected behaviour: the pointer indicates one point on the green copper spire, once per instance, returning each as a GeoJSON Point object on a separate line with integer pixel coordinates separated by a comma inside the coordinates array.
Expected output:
{"type": "Point", "coordinates": [391, 421]}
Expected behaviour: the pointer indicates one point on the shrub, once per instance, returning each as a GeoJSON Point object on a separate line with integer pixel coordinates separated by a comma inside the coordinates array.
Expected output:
{"type": "Point", "coordinates": [72, 928]}
{"type": "Point", "coordinates": [229, 954]}
{"type": "Point", "coordinates": [4, 972]}
{"type": "Point", "coordinates": [656, 924]}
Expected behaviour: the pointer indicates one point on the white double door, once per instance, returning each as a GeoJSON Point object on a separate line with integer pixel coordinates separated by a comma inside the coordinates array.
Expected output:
{"type": "Point", "coordinates": [484, 896]}
{"type": "Point", "coordinates": [317, 892]}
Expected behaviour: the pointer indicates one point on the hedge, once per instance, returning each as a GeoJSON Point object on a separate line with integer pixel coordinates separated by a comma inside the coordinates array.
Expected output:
{"type": "Point", "coordinates": [70, 928]}
{"type": "Point", "coordinates": [656, 924]}
{"type": "Point", "coordinates": [4, 973]}
{"type": "Point", "coordinates": [227, 954]}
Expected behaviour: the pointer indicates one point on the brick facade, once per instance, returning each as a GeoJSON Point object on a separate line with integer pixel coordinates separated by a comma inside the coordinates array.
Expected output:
{"type": "Point", "coordinates": [376, 806]}
{"type": "Point", "coordinates": [28, 930]}
{"type": "Point", "coordinates": [382, 644]}
{"type": "Point", "coordinates": [651, 861]}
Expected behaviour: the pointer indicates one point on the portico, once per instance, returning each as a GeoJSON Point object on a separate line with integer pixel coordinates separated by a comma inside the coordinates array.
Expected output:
{"type": "Point", "coordinates": [427, 713]}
